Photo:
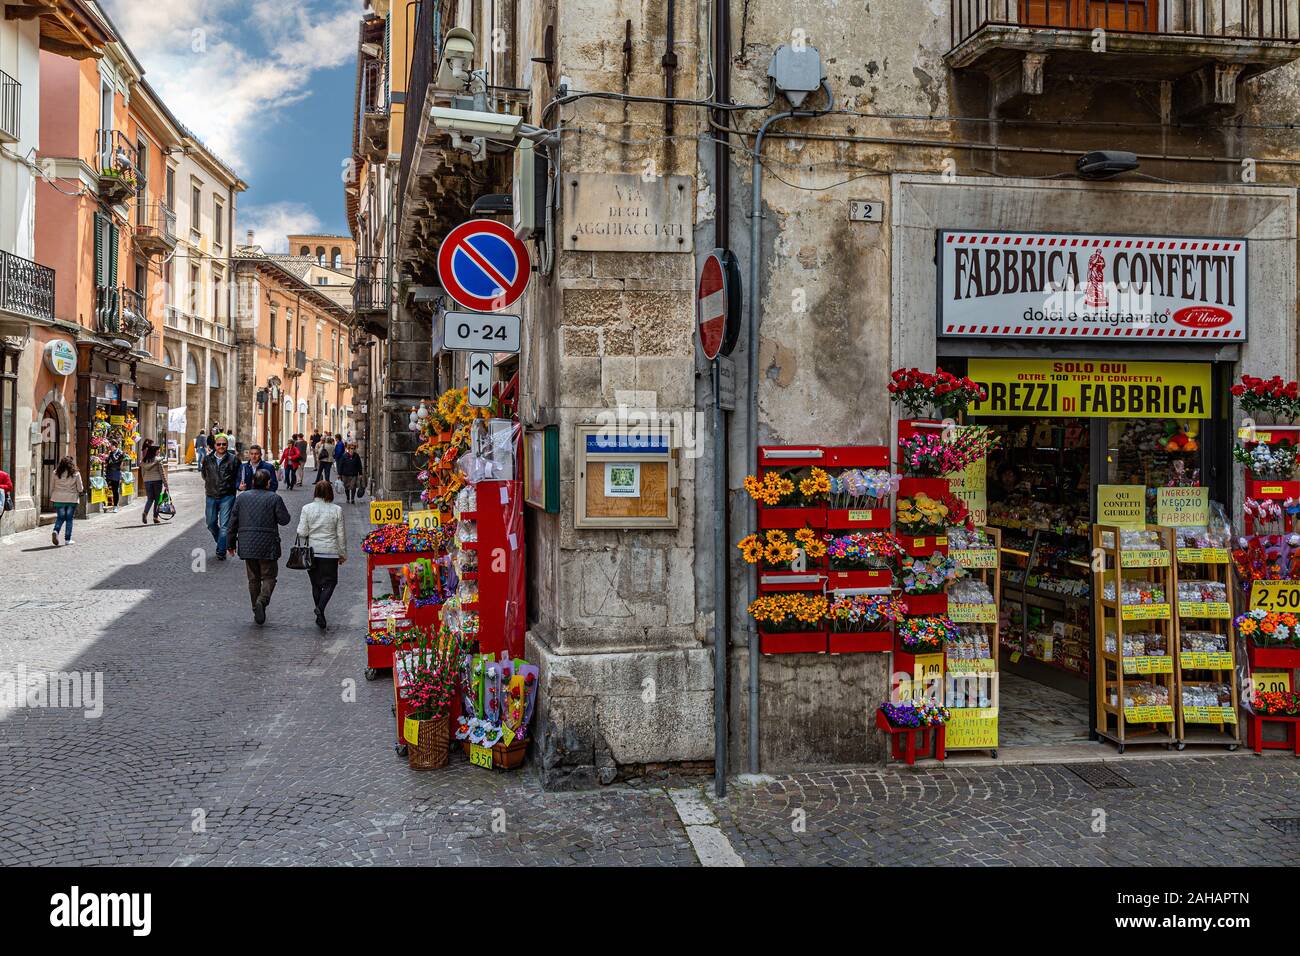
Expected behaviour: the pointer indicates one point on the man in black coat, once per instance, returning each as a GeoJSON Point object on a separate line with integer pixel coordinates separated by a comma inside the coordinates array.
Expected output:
{"type": "Point", "coordinates": [255, 536]}
{"type": "Point", "coordinates": [220, 472]}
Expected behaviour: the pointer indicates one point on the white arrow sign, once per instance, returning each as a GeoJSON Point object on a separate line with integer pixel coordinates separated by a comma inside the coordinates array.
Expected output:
{"type": "Point", "coordinates": [480, 379]}
{"type": "Point", "coordinates": [480, 332]}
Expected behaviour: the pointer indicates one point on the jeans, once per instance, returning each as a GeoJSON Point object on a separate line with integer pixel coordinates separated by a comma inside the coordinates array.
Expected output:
{"type": "Point", "coordinates": [218, 515]}
{"type": "Point", "coordinates": [261, 579]}
{"type": "Point", "coordinates": [290, 476]}
{"type": "Point", "coordinates": [152, 489]}
{"type": "Point", "coordinates": [323, 470]}
{"type": "Point", "coordinates": [64, 513]}
{"type": "Point", "coordinates": [324, 575]}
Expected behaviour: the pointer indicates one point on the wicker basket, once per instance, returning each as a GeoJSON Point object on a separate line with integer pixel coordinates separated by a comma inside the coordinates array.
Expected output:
{"type": "Point", "coordinates": [429, 752]}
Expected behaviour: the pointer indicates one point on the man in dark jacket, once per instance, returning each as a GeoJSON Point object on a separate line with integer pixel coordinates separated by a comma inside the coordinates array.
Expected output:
{"type": "Point", "coordinates": [349, 465]}
{"type": "Point", "coordinates": [220, 472]}
{"type": "Point", "coordinates": [250, 468]}
{"type": "Point", "coordinates": [255, 536]}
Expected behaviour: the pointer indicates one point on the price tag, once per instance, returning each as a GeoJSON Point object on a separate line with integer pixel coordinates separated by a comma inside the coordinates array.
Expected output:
{"type": "Point", "coordinates": [1148, 665]}
{"type": "Point", "coordinates": [973, 613]}
{"type": "Point", "coordinates": [975, 557]}
{"type": "Point", "coordinates": [1206, 661]}
{"type": "Point", "coordinates": [1203, 555]}
{"type": "Point", "coordinates": [385, 512]}
{"type": "Point", "coordinates": [859, 516]}
{"type": "Point", "coordinates": [507, 736]}
{"type": "Point", "coordinates": [1270, 682]}
{"type": "Point", "coordinates": [1144, 559]}
{"type": "Point", "coordinates": [422, 520]}
{"type": "Point", "coordinates": [480, 756]}
{"type": "Point", "coordinates": [1252, 434]}
{"type": "Point", "coordinates": [1015, 657]}
{"type": "Point", "coordinates": [1206, 609]}
{"type": "Point", "coordinates": [1150, 714]}
{"type": "Point", "coordinates": [941, 542]}
{"type": "Point", "coordinates": [411, 731]}
{"type": "Point", "coordinates": [1271, 490]}
{"type": "Point", "coordinates": [1275, 595]}
{"type": "Point", "coordinates": [1145, 612]}
{"type": "Point", "coordinates": [972, 665]}
{"type": "Point", "coordinates": [927, 676]}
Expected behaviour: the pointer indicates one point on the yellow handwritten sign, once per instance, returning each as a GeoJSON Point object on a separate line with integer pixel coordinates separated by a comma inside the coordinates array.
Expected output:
{"type": "Point", "coordinates": [974, 558]}
{"type": "Point", "coordinates": [1205, 660]}
{"type": "Point", "coordinates": [1144, 558]}
{"type": "Point", "coordinates": [422, 520]}
{"type": "Point", "coordinates": [98, 495]}
{"type": "Point", "coordinates": [480, 756]}
{"type": "Point", "coordinates": [1149, 714]}
{"type": "Point", "coordinates": [1277, 596]}
{"type": "Point", "coordinates": [972, 665]}
{"type": "Point", "coordinates": [1203, 555]}
{"type": "Point", "coordinates": [1145, 612]}
{"type": "Point", "coordinates": [971, 484]}
{"type": "Point", "coordinates": [973, 613]}
{"type": "Point", "coordinates": [1206, 609]}
{"type": "Point", "coordinates": [927, 676]}
{"type": "Point", "coordinates": [385, 512]}
{"type": "Point", "coordinates": [411, 731]}
{"type": "Point", "coordinates": [1153, 664]}
{"type": "Point", "coordinates": [972, 728]}
{"type": "Point", "coordinates": [1122, 506]}
{"type": "Point", "coordinates": [1183, 507]}
{"type": "Point", "coordinates": [859, 516]}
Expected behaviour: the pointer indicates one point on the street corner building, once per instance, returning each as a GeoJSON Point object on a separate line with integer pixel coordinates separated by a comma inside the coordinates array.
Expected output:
{"type": "Point", "coordinates": [1086, 211]}
{"type": "Point", "coordinates": [114, 241]}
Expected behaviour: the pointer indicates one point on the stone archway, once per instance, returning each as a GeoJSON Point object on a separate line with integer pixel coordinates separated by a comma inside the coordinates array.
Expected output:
{"type": "Point", "coordinates": [56, 441]}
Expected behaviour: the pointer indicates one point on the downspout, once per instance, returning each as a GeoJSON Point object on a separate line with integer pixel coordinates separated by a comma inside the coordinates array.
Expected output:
{"type": "Point", "coordinates": [751, 419]}
{"type": "Point", "coordinates": [669, 63]}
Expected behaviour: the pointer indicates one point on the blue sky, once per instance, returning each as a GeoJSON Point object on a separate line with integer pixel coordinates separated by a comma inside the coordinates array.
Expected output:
{"type": "Point", "coordinates": [268, 85]}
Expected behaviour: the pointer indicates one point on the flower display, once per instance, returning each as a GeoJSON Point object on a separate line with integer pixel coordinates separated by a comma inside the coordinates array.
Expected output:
{"type": "Point", "coordinates": [915, 713]}
{"type": "Point", "coordinates": [777, 488]}
{"type": "Point", "coordinates": [928, 575]}
{"type": "Point", "coordinates": [862, 488]}
{"type": "Point", "coordinates": [432, 664]}
{"type": "Point", "coordinates": [922, 515]}
{"type": "Point", "coordinates": [1283, 703]}
{"type": "Point", "coordinates": [929, 455]}
{"type": "Point", "coordinates": [863, 551]}
{"type": "Point", "coordinates": [776, 548]}
{"type": "Point", "coordinates": [1268, 397]}
{"type": "Point", "coordinates": [864, 612]}
{"type": "Point", "coordinates": [1269, 628]}
{"type": "Point", "coordinates": [444, 438]}
{"type": "Point", "coordinates": [789, 612]}
{"type": "Point", "coordinates": [1270, 462]}
{"type": "Point", "coordinates": [919, 391]}
{"type": "Point", "coordinates": [920, 634]}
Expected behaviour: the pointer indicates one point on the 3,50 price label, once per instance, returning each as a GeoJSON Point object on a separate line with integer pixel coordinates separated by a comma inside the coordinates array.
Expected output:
{"type": "Point", "coordinates": [385, 512]}
{"type": "Point", "coordinates": [1275, 595]}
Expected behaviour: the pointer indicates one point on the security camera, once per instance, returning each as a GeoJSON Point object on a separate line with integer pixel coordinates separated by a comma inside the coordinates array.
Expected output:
{"type": "Point", "coordinates": [1105, 163]}
{"type": "Point", "coordinates": [458, 51]}
{"type": "Point", "coordinates": [501, 126]}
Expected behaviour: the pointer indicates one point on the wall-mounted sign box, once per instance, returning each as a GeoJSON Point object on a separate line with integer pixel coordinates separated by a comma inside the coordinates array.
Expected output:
{"type": "Point", "coordinates": [625, 478]}
{"type": "Point", "coordinates": [542, 468]}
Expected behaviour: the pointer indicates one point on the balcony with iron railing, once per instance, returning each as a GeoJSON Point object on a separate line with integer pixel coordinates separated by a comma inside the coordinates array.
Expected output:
{"type": "Point", "coordinates": [117, 164]}
{"type": "Point", "coordinates": [155, 230]}
{"type": "Point", "coordinates": [11, 97]}
{"type": "Point", "coordinates": [370, 286]}
{"type": "Point", "coordinates": [120, 314]}
{"type": "Point", "coordinates": [1204, 47]}
{"type": "Point", "coordinates": [26, 287]}
{"type": "Point", "coordinates": [375, 109]}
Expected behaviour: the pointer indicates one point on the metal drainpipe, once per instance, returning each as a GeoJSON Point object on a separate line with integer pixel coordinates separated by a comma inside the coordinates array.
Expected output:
{"type": "Point", "coordinates": [751, 419]}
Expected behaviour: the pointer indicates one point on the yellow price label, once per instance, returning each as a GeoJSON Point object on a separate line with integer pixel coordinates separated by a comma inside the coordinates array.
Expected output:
{"type": "Point", "coordinates": [1145, 612]}
{"type": "Point", "coordinates": [1144, 559]}
{"type": "Point", "coordinates": [1149, 714]}
{"type": "Point", "coordinates": [1270, 682]}
{"type": "Point", "coordinates": [1148, 665]}
{"type": "Point", "coordinates": [411, 731]}
{"type": "Point", "coordinates": [423, 520]}
{"type": "Point", "coordinates": [1275, 595]}
{"type": "Point", "coordinates": [1205, 609]}
{"type": "Point", "coordinates": [972, 728]}
{"type": "Point", "coordinates": [1206, 660]}
{"type": "Point", "coordinates": [859, 515]}
{"type": "Point", "coordinates": [480, 756]}
{"type": "Point", "coordinates": [385, 512]}
{"type": "Point", "coordinates": [973, 613]}
{"type": "Point", "coordinates": [1203, 555]}
{"type": "Point", "coordinates": [975, 557]}
{"type": "Point", "coordinates": [927, 676]}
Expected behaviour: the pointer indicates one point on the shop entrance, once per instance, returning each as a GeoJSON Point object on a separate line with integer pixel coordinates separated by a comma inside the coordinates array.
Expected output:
{"type": "Point", "coordinates": [1042, 493]}
{"type": "Point", "coordinates": [50, 445]}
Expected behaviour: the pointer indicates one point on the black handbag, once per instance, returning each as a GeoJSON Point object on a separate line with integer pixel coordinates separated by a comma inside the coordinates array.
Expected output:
{"type": "Point", "coordinates": [301, 555]}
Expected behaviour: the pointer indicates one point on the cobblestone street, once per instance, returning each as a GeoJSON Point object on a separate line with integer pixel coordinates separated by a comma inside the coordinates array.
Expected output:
{"type": "Point", "coordinates": [224, 743]}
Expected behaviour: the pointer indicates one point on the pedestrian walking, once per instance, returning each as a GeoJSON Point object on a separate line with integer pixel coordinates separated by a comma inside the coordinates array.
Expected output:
{"type": "Point", "coordinates": [350, 467]}
{"type": "Point", "coordinates": [113, 473]}
{"type": "Point", "coordinates": [153, 479]}
{"type": "Point", "coordinates": [290, 458]}
{"type": "Point", "coordinates": [324, 458]}
{"type": "Point", "coordinates": [6, 495]}
{"type": "Point", "coordinates": [255, 537]}
{"type": "Point", "coordinates": [249, 469]}
{"type": "Point", "coordinates": [220, 482]}
{"type": "Point", "coordinates": [301, 443]}
{"type": "Point", "coordinates": [65, 495]}
{"type": "Point", "coordinates": [200, 447]}
{"type": "Point", "coordinates": [212, 440]}
{"type": "Point", "coordinates": [339, 447]}
{"type": "Point", "coordinates": [321, 524]}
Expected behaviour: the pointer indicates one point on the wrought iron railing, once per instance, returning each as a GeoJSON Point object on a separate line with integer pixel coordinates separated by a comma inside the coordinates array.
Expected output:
{"type": "Point", "coordinates": [157, 220]}
{"type": "Point", "coordinates": [1227, 19]}
{"type": "Point", "coordinates": [115, 155]}
{"type": "Point", "coordinates": [120, 312]}
{"type": "Point", "coordinates": [369, 289]}
{"type": "Point", "coordinates": [374, 87]}
{"type": "Point", "coordinates": [26, 287]}
{"type": "Point", "coordinates": [11, 97]}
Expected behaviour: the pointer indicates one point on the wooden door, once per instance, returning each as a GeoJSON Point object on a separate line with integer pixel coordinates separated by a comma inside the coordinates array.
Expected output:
{"type": "Point", "coordinates": [1129, 16]}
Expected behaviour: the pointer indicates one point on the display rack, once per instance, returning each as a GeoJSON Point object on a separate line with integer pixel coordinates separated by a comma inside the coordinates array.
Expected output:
{"type": "Point", "coordinates": [1206, 723]}
{"type": "Point", "coordinates": [498, 521]}
{"type": "Point", "coordinates": [1119, 719]}
{"type": "Point", "coordinates": [974, 723]}
{"type": "Point", "coordinates": [1266, 489]}
{"type": "Point", "coordinates": [922, 667]}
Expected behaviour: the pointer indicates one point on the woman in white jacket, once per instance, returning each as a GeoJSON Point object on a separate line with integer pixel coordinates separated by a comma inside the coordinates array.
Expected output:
{"type": "Point", "coordinates": [321, 524]}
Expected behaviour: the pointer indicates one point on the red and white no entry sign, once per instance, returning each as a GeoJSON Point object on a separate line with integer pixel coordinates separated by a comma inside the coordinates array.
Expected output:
{"type": "Point", "coordinates": [483, 266]}
{"type": "Point", "coordinates": [711, 305]}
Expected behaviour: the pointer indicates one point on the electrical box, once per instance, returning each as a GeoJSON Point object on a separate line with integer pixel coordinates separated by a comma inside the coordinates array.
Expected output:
{"type": "Point", "coordinates": [797, 71]}
{"type": "Point", "coordinates": [528, 192]}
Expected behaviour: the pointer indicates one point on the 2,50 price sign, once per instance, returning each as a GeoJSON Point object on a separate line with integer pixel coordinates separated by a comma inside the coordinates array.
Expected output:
{"type": "Point", "coordinates": [480, 332]}
{"type": "Point", "coordinates": [1275, 596]}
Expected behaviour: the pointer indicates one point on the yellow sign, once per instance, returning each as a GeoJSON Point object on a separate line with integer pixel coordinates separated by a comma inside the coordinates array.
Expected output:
{"type": "Point", "coordinates": [973, 613]}
{"type": "Point", "coordinates": [1277, 596]}
{"type": "Point", "coordinates": [1207, 609]}
{"type": "Point", "coordinates": [1149, 714]}
{"type": "Point", "coordinates": [385, 512]}
{"type": "Point", "coordinates": [975, 557]}
{"type": "Point", "coordinates": [1203, 555]}
{"type": "Point", "coordinates": [859, 516]}
{"type": "Point", "coordinates": [422, 520]}
{"type": "Point", "coordinates": [1272, 489]}
{"type": "Point", "coordinates": [411, 731]}
{"type": "Point", "coordinates": [1183, 507]}
{"type": "Point", "coordinates": [1145, 612]}
{"type": "Point", "coordinates": [1149, 665]}
{"type": "Point", "coordinates": [117, 419]}
{"type": "Point", "coordinates": [1205, 660]}
{"type": "Point", "coordinates": [1094, 389]}
{"type": "Point", "coordinates": [99, 495]}
{"type": "Point", "coordinates": [1270, 682]}
{"type": "Point", "coordinates": [927, 677]}
{"type": "Point", "coordinates": [971, 485]}
{"type": "Point", "coordinates": [1144, 558]}
{"type": "Point", "coordinates": [480, 756]}
{"type": "Point", "coordinates": [972, 728]}
{"type": "Point", "coordinates": [1122, 506]}
{"type": "Point", "coordinates": [972, 665]}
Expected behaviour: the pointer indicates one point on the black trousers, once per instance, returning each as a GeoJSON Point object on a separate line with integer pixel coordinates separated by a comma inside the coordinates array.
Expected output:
{"type": "Point", "coordinates": [261, 579]}
{"type": "Point", "coordinates": [323, 470]}
{"type": "Point", "coordinates": [116, 485]}
{"type": "Point", "coordinates": [290, 476]}
{"type": "Point", "coordinates": [324, 574]}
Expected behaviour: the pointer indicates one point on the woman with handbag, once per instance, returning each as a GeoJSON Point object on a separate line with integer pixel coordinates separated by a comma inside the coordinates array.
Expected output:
{"type": "Point", "coordinates": [321, 527]}
{"type": "Point", "coordinates": [65, 495]}
{"type": "Point", "coordinates": [153, 478]}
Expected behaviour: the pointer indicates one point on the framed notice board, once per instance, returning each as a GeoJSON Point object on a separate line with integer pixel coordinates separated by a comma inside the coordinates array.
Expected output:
{"type": "Point", "coordinates": [542, 468]}
{"type": "Point", "coordinates": [625, 478]}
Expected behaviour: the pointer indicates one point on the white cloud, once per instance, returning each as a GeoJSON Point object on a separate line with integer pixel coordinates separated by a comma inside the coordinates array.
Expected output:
{"type": "Point", "coordinates": [226, 68]}
{"type": "Point", "coordinates": [273, 222]}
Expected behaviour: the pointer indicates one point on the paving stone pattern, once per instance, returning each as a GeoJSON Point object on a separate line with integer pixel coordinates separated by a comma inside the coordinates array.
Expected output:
{"type": "Point", "coordinates": [223, 743]}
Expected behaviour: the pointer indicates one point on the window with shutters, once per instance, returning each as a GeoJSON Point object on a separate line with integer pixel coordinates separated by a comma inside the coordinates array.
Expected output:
{"type": "Point", "coordinates": [218, 222]}
{"type": "Point", "coordinates": [194, 290]}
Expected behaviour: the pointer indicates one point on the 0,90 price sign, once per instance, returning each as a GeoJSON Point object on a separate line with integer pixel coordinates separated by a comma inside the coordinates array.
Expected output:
{"type": "Point", "coordinates": [385, 512]}
{"type": "Point", "coordinates": [1275, 596]}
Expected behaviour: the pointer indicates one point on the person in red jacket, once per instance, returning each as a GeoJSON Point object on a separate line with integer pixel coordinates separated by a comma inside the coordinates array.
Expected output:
{"type": "Point", "coordinates": [290, 461]}
{"type": "Point", "coordinates": [6, 493]}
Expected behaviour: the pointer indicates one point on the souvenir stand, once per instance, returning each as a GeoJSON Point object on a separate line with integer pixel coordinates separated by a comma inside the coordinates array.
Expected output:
{"type": "Point", "coordinates": [1135, 633]}
{"type": "Point", "coordinates": [1206, 650]}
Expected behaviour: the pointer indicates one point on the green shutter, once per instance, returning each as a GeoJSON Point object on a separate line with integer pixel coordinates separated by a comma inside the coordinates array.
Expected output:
{"type": "Point", "coordinates": [99, 251]}
{"type": "Point", "coordinates": [112, 256]}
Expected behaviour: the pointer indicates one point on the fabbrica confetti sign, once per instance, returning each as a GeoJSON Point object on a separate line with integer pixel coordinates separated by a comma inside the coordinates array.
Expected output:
{"type": "Point", "coordinates": [1036, 285]}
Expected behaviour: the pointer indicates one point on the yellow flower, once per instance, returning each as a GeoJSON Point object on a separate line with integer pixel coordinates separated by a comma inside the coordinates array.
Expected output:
{"type": "Point", "coordinates": [804, 535]}
{"type": "Point", "coordinates": [777, 536]}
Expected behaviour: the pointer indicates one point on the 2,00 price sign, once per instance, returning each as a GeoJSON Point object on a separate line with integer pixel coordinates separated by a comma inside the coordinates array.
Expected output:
{"type": "Point", "coordinates": [480, 332]}
{"type": "Point", "coordinates": [1275, 596]}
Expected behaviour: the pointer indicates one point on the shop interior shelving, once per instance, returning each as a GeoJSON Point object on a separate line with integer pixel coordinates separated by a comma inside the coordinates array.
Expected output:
{"type": "Point", "coordinates": [979, 677]}
{"type": "Point", "coordinates": [1150, 568]}
{"type": "Point", "coordinates": [1207, 724]}
{"type": "Point", "coordinates": [1030, 560]}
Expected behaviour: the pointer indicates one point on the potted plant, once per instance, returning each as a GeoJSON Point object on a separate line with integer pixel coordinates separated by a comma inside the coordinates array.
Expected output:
{"type": "Point", "coordinates": [429, 669]}
{"type": "Point", "coordinates": [926, 455]}
{"type": "Point", "coordinates": [1268, 401]}
{"type": "Point", "coordinates": [941, 393]}
{"type": "Point", "coordinates": [1273, 638]}
{"type": "Point", "coordinates": [923, 580]}
{"type": "Point", "coordinates": [793, 499]}
{"type": "Point", "coordinates": [1284, 703]}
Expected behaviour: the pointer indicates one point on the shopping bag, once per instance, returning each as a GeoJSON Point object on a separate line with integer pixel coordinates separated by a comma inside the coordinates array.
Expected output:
{"type": "Point", "coordinates": [166, 507]}
{"type": "Point", "coordinates": [300, 555]}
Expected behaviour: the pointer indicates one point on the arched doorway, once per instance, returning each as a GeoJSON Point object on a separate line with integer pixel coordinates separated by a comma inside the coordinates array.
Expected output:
{"type": "Point", "coordinates": [51, 445]}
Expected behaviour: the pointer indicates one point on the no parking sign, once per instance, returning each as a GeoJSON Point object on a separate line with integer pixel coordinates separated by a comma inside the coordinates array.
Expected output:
{"type": "Point", "coordinates": [482, 266]}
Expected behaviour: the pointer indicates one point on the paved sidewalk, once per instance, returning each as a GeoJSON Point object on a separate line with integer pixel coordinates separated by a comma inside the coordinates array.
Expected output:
{"type": "Point", "coordinates": [224, 743]}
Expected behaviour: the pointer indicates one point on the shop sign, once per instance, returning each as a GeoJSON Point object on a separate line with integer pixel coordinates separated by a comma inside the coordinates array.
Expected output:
{"type": "Point", "coordinates": [60, 357]}
{"type": "Point", "coordinates": [971, 728]}
{"type": "Point", "coordinates": [1032, 285]}
{"type": "Point", "coordinates": [1183, 507]}
{"type": "Point", "coordinates": [1045, 388]}
{"type": "Point", "coordinates": [1122, 506]}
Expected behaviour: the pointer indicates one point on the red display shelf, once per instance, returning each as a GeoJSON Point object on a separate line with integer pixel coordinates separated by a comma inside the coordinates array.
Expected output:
{"type": "Point", "coordinates": [932, 487]}
{"type": "Point", "coordinates": [855, 519]}
{"type": "Point", "coordinates": [838, 580]}
{"type": "Point", "coordinates": [1255, 736]}
{"type": "Point", "coordinates": [770, 582]}
{"type": "Point", "coordinates": [501, 591]}
{"type": "Point", "coordinates": [1274, 490]}
{"type": "Point", "coordinates": [857, 456]}
{"type": "Point", "coordinates": [925, 605]}
{"type": "Point", "coordinates": [1271, 435]}
{"type": "Point", "coordinates": [787, 518]}
{"type": "Point", "coordinates": [907, 427]}
{"type": "Point", "coordinates": [1265, 658]}
{"type": "Point", "coordinates": [379, 657]}
{"type": "Point", "coordinates": [802, 642]}
{"type": "Point", "coordinates": [908, 743]}
{"type": "Point", "coordinates": [791, 456]}
{"type": "Point", "coordinates": [860, 642]}
{"type": "Point", "coordinates": [923, 547]}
